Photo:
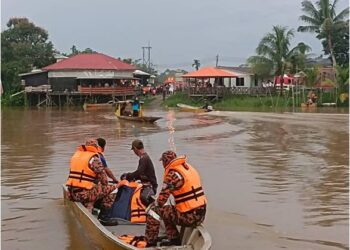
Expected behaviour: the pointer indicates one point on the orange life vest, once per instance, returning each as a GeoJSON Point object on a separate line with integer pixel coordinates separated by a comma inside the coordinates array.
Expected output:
{"type": "Point", "coordinates": [80, 174]}
{"type": "Point", "coordinates": [191, 194]}
{"type": "Point", "coordinates": [137, 241]}
{"type": "Point", "coordinates": [138, 210]}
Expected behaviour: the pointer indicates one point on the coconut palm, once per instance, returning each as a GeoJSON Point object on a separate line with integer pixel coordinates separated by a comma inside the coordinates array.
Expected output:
{"type": "Point", "coordinates": [274, 50]}
{"type": "Point", "coordinates": [196, 64]}
{"type": "Point", "coordinates": [322, 19]}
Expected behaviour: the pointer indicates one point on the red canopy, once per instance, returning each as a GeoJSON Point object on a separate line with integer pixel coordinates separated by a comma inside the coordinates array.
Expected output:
{"type": "Point", "coordinates": [209, 72]}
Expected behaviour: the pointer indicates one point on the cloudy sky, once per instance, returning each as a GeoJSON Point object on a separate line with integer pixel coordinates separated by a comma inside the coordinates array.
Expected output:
{"type": "Point", "coordinates": [178, 31]}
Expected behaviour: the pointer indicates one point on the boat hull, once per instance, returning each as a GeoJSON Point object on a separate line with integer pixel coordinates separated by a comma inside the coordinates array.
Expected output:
{"type": "Point", "coordinates": [150, 119]}
{"type": "Point", "coordinates": [311, 106]}
{"type": "Point", "coordinates": [195, 238]}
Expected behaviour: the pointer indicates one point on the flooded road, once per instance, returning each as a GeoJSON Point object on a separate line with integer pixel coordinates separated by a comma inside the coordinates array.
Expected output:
{"type": "Point", "coordinates": [272, 180]}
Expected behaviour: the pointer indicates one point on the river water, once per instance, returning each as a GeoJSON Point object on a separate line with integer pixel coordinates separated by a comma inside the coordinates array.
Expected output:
{"type": "Point", "coordinates": [273, 180]}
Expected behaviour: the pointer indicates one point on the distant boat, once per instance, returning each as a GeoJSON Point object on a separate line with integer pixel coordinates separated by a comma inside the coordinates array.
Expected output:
{"type": "Point", "coordinates": [106, 237]}
{"type": "Point", "coordinates": [329, 104]}
{"type": "Point", "coordinates": [189, 108]}
{"type": "Point", "coordinates": [98, 106]}
{"type": "Point", "coordinates": [130, 117]}
{"type": "Point", "coordinates": [311, 106]}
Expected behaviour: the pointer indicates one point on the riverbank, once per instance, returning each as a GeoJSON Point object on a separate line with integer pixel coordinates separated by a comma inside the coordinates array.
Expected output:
{"type": "Point", "coordinates": [246, 103]}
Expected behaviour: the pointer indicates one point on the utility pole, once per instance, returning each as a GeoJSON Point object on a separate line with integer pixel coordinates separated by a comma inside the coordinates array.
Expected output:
{"type": "Point", "coordinates": [217, 60]}
{"type": "Point", "coordinates": [147, 61]}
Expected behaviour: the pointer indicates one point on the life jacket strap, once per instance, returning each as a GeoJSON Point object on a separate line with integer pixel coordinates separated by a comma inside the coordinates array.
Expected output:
{"type": "Point", "coordinates": [195, 193]}
{"type": "Point", "coordinates": [81, 176]}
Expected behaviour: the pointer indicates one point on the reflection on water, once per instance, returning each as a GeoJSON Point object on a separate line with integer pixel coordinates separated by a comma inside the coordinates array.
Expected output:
{"type": "Point", "coordinates": [281, 173]}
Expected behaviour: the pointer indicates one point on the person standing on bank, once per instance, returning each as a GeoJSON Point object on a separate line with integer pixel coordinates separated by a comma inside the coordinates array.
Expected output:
{"type": "Point", "coordinates": [87, 181]}
{"type": "Point", "coordinates": [182, 181]}
{"type": "Point", "coordinates": [102, 144]}
{"type": "Point", "coordinates": [145, 170]}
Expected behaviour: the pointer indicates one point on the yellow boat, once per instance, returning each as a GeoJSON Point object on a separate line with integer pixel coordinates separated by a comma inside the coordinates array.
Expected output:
{"type": "Point", "coordinates": [311, 106]}
{"type": "Point", "coordinates": [105, 237]}
{"type": "Point", "coordinates": [130, 117]}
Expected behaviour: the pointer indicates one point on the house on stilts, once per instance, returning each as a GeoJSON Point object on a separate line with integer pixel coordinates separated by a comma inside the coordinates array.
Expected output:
{"type": "Point", "coordinates": [92, 78]}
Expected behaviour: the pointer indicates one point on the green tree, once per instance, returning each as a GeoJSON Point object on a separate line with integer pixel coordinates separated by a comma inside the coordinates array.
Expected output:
{"type": "Point", "coordinates": [322, 19]}
{"type": "Point", "coordinates": [75, 51]}
{"type": "Point", "coordinates": [169, 73]}
{"type": "Point", "coordinates": [261, 66]}
{"type": "Point", "coordinates": [274, 52]}
{"type": "Point", "coordinates": [137, 63]}
{"type": "Point", "coordinates": [312, 75]}
{"type": "Point", "coordinates": [24, 46]}
{"type": "Point", "coordinates": [341, 46]}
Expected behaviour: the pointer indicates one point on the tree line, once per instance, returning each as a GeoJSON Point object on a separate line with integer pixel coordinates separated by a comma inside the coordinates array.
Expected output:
{"type": "Point", "coordinates": [276, 57]}
{"type": "Point", "coordinates": [24, 46]}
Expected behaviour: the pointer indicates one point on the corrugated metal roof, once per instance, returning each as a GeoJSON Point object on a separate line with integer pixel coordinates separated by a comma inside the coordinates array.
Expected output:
{"type": "Point", "coordinates": [96, 61]}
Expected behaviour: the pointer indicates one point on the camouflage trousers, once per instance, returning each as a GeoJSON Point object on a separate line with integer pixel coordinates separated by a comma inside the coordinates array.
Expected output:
{"type": "Point", "coordinates": [99, 192]}
{"type": "Point", "coordinates": [171, 218]}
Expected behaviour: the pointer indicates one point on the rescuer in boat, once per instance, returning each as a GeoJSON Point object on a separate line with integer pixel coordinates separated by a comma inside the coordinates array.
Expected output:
{"type": "Point", "coordinates": [102, 145]}
{"type": "Point", "coordinates": [87, 180]}
{"type": "Point", "coordinates": [145, 170]}
{"type": "Point", "coordinates": [182, 181]}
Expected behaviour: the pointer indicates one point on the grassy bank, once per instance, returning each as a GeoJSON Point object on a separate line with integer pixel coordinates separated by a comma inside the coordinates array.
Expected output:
{"type": "Point", "coordinates": [172, 100]}
{"type": "Point", "coordinates": [229, 102]}
{"type": "Point", "coordinates": [245, 102]}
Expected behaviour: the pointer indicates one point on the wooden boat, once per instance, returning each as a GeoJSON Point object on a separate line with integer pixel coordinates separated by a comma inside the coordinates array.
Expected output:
{"type": "Point", "coordinates": [105, 237]}
{"type": "Point", "coordinates": [311, 106]}
{"type": "Point", "coordinates": [98, 106]}
{"type": "Point", "coordinates": [188, 108]}
{"type": "Point", "coordinates": [129, 117]}
{"type": "Point", "coordinates": [329, 104]}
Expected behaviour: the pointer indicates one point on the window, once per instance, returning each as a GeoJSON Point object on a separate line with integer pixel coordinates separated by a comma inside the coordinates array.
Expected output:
{"type": "Point", "coordinates": [239, 81]}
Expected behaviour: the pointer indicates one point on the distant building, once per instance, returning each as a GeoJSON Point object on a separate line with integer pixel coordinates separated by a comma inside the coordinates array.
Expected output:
{"type": "Point", "coordinates": [326, 70]}
{"type": "Point", "coordinates": [82, 75]}
{"type": "Point", "coordinates": [83, 70]}
{"type": "Point", "coordinates": [245, 77]}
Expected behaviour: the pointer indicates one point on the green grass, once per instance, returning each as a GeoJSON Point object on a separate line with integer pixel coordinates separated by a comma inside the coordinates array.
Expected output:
{"type": "Point", "coordinates": [147, 100]}
{"type": "Point", "coordinates": [172, 100]}
{"type": "Point", "coordinates": [232, 102]}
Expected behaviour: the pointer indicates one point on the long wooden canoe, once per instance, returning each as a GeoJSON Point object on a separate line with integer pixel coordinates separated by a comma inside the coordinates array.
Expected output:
{"type": "Point", "coordinates": [139, 118]}
{"type": "Point", "coordinates": [105, 237]}
{"type": "Point", "coordinates": [189, 108]}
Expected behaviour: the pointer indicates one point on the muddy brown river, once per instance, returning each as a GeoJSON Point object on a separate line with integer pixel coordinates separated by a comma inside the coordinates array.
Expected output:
{"type": "Point", "coordinates": [273, 180]}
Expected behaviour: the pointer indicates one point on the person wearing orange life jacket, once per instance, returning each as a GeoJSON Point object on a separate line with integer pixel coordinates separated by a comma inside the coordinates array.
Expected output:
{"type": "Point", "coordinates": [87, 180]}
{"type": "Point", "coordinates": [137, 207]}
{"type": "Point", "coordinates": [182, 181]}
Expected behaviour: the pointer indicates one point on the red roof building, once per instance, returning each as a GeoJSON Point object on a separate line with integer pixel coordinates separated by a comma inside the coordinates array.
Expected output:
{"type": "Point", "coordinates": [96, 61]}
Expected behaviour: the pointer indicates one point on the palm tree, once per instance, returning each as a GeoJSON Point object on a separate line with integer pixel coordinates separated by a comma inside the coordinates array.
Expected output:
{"type": "Point", "coordinates": [196, 64]}
{"type": "Point", "coordinates": [274, 50]}
{"type": "Point", "coordinates": [323, 20]}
